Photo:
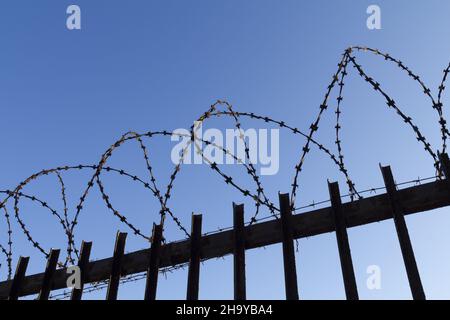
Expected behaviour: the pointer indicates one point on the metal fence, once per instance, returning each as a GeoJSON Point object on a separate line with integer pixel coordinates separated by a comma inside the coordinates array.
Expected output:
{"type": "Point", "coordinates": [393, 204]}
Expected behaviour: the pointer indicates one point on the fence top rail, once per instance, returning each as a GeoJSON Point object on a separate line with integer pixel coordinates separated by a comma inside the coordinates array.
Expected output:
{"type": "Point", "coordinates": [414, 199]}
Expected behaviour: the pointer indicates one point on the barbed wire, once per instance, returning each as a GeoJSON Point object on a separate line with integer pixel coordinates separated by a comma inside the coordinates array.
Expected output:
{"type": "Point", "coordinates": [220, 108]}
{"type": "Point", "coordinates": [438, 106]}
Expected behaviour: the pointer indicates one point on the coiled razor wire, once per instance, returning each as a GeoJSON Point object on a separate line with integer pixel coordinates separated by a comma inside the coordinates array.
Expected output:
{"type": "Point", "coordinates": [218, 109]}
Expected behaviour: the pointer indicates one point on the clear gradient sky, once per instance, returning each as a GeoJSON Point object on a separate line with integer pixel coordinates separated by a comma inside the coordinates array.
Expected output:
{"type": "Point", "coordinates": [65, 96]}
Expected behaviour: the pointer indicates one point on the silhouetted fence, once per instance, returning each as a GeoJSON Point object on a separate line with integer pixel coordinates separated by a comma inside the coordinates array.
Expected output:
{"type": "Point", "coordinates": [394, 204]}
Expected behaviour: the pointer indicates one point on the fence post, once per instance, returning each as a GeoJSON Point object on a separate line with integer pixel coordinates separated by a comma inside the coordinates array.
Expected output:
{"type": "Point", "coordinates": [194, 262]}
{"type": "Point", "coordinates": [348, 273]}
{"type": "Point", "coordinates": [239, 252]}
{"type": "Point", "coordinates": [153, 266]}
{"type": "Point", "coordinates": [83, 262]}
{"type": "Point", "coordinates": [16, 285]}
{"type": "Point", "coordinates": [290, 271]}
{"type": "Point", "coordinates": [403, 236]}
{"type": "Point", "coordinates": [445, 164]}
{"type": "Point", "coordinates": [116, 270]}
{"type": "Point", "coordinates": [48, 275]}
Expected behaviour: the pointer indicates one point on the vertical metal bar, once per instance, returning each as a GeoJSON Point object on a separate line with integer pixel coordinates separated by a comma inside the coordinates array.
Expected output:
{"type": "Point", "coordinates": [239, 252]}
{"type": "Point", "coordinates": [403, 236]}
{"type": "Point", "coordinates": [290, 271]}
{"type": "Point", "coordinates": [153, 266]}
{"type": "Point", "coordinates": [348, 273]}
{"type": "Point", "coordinates": [194, 262]}
{"type": "Point", "coordinates": [445, 164]}
{"type": "Point", "coordinates": [48, 275]}
{"type": "Point", "coordinates": [83, 263]}
{"type": "Point", "coordinates": [16, 285]}
{"type": "Point", "coordinates": [116, 270]}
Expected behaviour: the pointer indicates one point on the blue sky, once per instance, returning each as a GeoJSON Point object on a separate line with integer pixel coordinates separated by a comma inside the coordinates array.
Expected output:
{"type": "Point", "coordinates": [66, 96]}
